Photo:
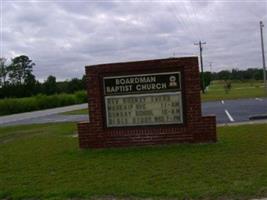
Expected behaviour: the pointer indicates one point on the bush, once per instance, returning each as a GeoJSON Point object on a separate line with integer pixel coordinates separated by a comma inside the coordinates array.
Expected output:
{"type": "Point", "coordinates": [81, 96]}
{"type": "Point", "coordinates": [39, 102]}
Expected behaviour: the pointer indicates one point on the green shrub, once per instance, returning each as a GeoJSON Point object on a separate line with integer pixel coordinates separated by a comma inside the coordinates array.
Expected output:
{"type": "Point", "coordinates": [81, 96]}
{"type": "Point", "coordinates": [39, 102]}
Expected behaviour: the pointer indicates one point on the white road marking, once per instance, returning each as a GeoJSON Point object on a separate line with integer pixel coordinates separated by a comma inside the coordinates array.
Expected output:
{"type": "Point", "coordinates": [229, 116]}
{"type": "Point", "coordinates": [222, 101]}
{"type": "Point", "coordinates": [259, 99]}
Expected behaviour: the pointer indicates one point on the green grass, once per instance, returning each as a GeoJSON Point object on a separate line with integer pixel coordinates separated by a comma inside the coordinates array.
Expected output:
{"type": "Point", "coordinates": [249, 89]}
{"type": "Point", "coordinates": [76, 112]}
{"type": "Point", "coordinates": [45, 162]}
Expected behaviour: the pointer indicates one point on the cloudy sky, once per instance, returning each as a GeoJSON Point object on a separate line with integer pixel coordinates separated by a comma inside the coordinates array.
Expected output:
{"type": "Point", "coordinates": [61, 37]}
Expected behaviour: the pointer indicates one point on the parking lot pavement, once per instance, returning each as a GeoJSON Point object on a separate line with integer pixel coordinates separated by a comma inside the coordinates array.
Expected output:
{"type": "Point", "coordinates": [227, 111]}
{"type": "Point", "coordinates": [232, 111]}
{"type": "Point", "coordinates": [215, 108]}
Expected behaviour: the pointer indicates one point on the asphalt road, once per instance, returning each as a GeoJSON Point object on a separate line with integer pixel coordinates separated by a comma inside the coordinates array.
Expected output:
{"type": "Point", "coordinates": [227, 111]}
{"type": "Point", "coordinates": [232, 111]}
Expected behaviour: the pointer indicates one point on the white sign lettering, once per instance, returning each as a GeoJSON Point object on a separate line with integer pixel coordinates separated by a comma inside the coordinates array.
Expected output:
{"type": "Point", "coordinates": [152, 109]}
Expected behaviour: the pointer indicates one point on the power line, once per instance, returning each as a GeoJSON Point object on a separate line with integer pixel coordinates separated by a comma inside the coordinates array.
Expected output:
{"type": "Point", "coordinates": [188, 18]}
{"type": "Point", "coordinates": [201, 64]}
{"type": "Point", "coordinates": [182, 21]}
{"type": "Point", "coordinates": [194, 12]}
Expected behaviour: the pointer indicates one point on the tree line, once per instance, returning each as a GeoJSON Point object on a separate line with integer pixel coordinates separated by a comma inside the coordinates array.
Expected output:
{"type": "Point", "coordinates": [234, 74]}
{"type": "Point", "coordinates": [17, 80]}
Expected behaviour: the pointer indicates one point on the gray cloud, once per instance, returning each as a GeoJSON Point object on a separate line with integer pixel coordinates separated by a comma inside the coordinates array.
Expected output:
{"type": "Point", "coordinates": [61, 37]}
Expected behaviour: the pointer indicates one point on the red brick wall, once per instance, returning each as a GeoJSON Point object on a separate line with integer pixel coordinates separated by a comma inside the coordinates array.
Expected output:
{"type": "Point", "coordinates": [194, 129]}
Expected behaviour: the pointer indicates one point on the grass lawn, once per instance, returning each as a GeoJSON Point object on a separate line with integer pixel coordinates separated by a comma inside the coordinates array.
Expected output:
{"type": "Point", "coordinates": [44, 161]}
{"type": "Point", "coordinates": [249, 89]}
{"type": "Point", "coordinates": [76, 112]}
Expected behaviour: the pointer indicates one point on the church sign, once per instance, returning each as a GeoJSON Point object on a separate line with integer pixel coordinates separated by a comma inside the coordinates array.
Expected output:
{"type": "Point", "coordinates": [145, 103]}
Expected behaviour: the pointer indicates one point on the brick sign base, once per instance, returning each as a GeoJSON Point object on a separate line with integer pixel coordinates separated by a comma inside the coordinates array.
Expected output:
{"type": "Point", "coordinates": [194, 129]}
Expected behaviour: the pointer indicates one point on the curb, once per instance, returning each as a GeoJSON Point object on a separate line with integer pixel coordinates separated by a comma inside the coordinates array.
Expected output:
{"type": "Point", "coordinates": [243, 123]}
{"type": "Point", "coordinates": [256, 117]}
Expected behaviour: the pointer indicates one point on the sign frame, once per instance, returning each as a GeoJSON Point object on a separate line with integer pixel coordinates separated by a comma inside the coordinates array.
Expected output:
{"type": "Point", "coordinates": [195, 129]}
{"type": "Point", "coordinates": [142, 73]}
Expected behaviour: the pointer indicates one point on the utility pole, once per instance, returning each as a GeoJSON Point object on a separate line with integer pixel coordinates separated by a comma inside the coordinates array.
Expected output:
{"type": "Point", "coordinates": [201, 64]}
{"type": "Point", "coordinates": [263, 56]}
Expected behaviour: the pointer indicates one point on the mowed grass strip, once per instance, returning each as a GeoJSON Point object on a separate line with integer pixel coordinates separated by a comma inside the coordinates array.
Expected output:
{"type": "Point", "coordinates": [239, 90]}
{"type": "Point", "coordinates": [76, 112]}
{"type": "Point", "coordinates": [47, 164]}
